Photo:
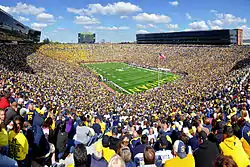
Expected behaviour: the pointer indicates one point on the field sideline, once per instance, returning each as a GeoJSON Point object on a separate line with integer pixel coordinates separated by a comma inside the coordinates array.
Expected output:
{"type": "Point", "coordinates": [130, 78]}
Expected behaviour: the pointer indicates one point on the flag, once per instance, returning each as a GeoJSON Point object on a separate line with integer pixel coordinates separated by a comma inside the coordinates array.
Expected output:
{"type": "Point", "coordinates": [162, 56]}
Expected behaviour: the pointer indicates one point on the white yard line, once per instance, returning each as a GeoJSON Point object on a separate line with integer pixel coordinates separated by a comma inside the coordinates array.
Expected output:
{"type": "Point", "coordinates": [120, 87]}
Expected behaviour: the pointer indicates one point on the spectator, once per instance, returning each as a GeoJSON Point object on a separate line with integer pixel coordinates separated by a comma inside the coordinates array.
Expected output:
{"type": "Point", "coordinates": [4, 101]}
{"type": "Point", "coordinates": [80, 156]}
{"type": "Point", "coordinates": [141, 147]}
{"type": "Point", "coordinates": [225, 161]}
{"type": "Point", "coordinates": [149, 157]}
{"type": "Point", "coordinates": [107, 152]}
{"type": "Point", "coordinates": [11, 113]}
{"type": "Point", "coordinates": [207, 152]}
{"type": "Point", "coordinates": [116, 161]}
{"type": "Point", "coordinates": [83, 134]}
{"type": "Point", "coordinates": [180, 156]}
{"type": "Point", "coordinates": [96, 126]}
{"type": "Point", "coordinates": [232, 146]}
{"type": "Point", "coordinates": [4, 145]}
{"type": "Point", "coordinates": [97, 157]}
{"type": "Point", "coordinates": [126, 156]}
{"type": "Point", "coordinates": [114, 140]}
{"type": "Point", "coordinates": [62, 140]}
{"type": "Point", "coordinates": [17, 142]}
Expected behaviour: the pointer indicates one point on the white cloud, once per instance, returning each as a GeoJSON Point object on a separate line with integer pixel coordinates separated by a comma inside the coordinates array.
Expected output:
{"type": "Point", "coordinates": [86, 20]}
{"type": "Point", "coordinates": [38, 26]}
{"type": "Point", "coordinates": [199, 25]}
{"type": "Point", "coordinates": [23, 8]}
{"type": "Point", "coordinates": [154, 18]}
{"type": "Point", "coordinates": [23, 19]}
{"type": "Point", "coordinates": [140, 26]}
{"type": "Point", "coordinates": [225, 19]}
{"type": "Point", "coordinates": [215, 24]}
{"type": "Point", "coordinates": [174, 3]}
{"type": "Point", "coordinates": [228, 19]}
{"type": "Point", "coordinates": [123, 17]}
{"type": "Point", "coordinates": [142, 32]}
{"type": "Point", "coordinates": [172, 26]}
{"type": "Point", "coordinates": [76, 11]}
{"type": "Point", "coordinates": [188, 16]}
{"type": "Point", "coordinates": [246, 31]}
{"type": "Point", "coordinates": [109, 9]}
{"type": "Point", "coordinates": [151, 26]}
{"type": "Point", "coordinates": [45, 17]}
{"type": "Point", "coordinates": [213, 11]}
{"type": "Point", "coordinates": [114, 28]}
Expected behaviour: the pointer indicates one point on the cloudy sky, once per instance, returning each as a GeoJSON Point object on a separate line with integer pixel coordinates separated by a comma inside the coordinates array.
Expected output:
{"type": "Point", "coordinates": [115, 21]}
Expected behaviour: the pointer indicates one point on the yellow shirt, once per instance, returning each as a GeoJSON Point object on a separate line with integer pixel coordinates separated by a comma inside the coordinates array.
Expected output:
{"type": "Point", "coordinates": [108, 153]}
{"type": "Point", "coordinates": [19, 146]}
{"type": "Point", "coordinates": [177, 161]}
{"type": "Point", "coordinates": [3, 138]}
{"type": "Point", "coordinates": [232, 146]}
{"type": "Point", "coordinates": [103, 126]}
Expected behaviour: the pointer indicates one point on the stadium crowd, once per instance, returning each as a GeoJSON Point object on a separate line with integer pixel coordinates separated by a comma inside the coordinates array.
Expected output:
{"type": "Point", "coordinates": [53, 112]}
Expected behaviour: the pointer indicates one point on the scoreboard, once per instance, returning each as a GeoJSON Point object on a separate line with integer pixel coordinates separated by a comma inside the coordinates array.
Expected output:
{"type": "Point", "coordinates": [86, 37]}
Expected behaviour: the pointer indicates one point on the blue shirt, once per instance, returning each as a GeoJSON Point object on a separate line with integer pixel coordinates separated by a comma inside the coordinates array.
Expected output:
{"type": "Point", "coordinates": [7, 162]}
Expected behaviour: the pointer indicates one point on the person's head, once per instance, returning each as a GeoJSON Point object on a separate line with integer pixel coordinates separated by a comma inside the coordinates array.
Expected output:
{"type": "Point", "coordinates": [105, 141]}
{"type": "Point", "coordinates": [80, 155]}
{"type": "Point", "coordinates": [48, 122]}
{"type": "Point", "coordinates": [18, 123]}
{"type": "Point", "coordinates": [202, 137]}
{"type": "Point", "coordinates": [62, 127]}
{"type": "Point", "coordinates": [125, 140]}
{"type": "Point", "coordinates": [97, 120]}
{"type": "Point", "coordinates": [98, 152]}
{"type": "Point", "coordinates": [228, 132]}
{"type": "Point", "coordinates": [125, 154]}
{"type": "Point", "coordinates": [31, 106]}
{"type": "Point", "coordinates": [14, 106]}
{"type": "Point", "coordinates": [151, 131]}
{"type": "Point", "coordinates": [116, 161]}
{"type": "Point", "coordinates": [206, 121]}
{"type": "Point", "coordinates": [23, 112]}
{"type": "Point", "coordinates": [149, 155]}
{"type": "Point", "coordinates": [184, 138]}
{"type": "Point", "coordinates": [225, 161]}
{"type": "Point", "coordinates": [144, 139]}
{"type": "Point", "coordinates": [179, 149]}
{"type": "Point", "coordinates": [2, 115]}
{"type": "Point", "coordinates": [114, 132]}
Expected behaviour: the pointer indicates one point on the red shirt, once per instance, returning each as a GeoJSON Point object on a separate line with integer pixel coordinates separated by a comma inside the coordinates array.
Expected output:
{"type": "Point", "coordinates": [4, 103]}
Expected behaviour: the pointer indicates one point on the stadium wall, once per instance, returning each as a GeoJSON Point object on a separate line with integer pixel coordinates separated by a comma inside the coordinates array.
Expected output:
{"type": "Point", "coordinates": [211, 37]}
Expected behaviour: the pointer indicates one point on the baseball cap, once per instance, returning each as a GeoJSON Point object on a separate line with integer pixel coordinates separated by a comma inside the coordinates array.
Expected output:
{"type": "Point", "coordinates": [179, 148]}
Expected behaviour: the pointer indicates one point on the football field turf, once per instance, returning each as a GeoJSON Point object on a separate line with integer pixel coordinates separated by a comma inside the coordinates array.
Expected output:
{"type": "Point", "coordinates": [130, 78]}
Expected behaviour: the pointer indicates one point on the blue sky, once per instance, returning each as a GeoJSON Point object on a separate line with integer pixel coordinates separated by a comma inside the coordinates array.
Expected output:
{"type": "Point", "coordinates": [116, 21]}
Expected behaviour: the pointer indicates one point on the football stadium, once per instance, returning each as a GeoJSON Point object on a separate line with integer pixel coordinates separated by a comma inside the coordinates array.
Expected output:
{"type": "Point", "coordinates": [166, 99]}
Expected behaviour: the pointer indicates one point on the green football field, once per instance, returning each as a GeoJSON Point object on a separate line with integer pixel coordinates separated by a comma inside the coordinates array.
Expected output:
{"type": "Point", "coordinates": [131, 79]}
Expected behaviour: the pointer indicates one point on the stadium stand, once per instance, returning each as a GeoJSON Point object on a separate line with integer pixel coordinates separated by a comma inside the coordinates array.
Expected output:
{"type": "Point", "coordinates": [55, 113]}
